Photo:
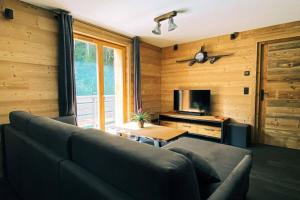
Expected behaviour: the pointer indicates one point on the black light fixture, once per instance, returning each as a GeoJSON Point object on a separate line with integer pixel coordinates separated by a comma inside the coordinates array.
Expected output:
{"type": "Point", "coordinates": [172, 25]}
{"type": "Point", "coordinates": [234, 35]}
{"type": "Point", "coordinates": [175, 47]}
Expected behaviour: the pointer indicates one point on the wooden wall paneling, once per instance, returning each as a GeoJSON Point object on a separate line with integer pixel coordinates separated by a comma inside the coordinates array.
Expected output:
{"type": "Point", "coordinates": [28, 43]}
{"type": "Point", "coordinates": [28, 61]}
{"type": "Point", "coordinates": [94, 31]}
{"type": "Point", "coordinates": [150, 76]}
{"type": "Point", "coordinates": [225, 78]}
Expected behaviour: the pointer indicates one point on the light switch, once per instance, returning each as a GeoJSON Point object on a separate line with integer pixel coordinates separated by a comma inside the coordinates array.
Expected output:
{"type": "Point", "coordinates": [246, 90]}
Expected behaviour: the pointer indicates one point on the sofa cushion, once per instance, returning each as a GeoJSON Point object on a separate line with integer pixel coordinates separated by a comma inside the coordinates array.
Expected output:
{"type": "Point", "coordinates": [51, 133]}
{"type": "Point", "coordinates": [31, 169]}
{"type": "Point", "coordinates": [204, 171]}
{"type": "Point", "coordinates": [77, 183]}
{"type": "Point", "coordinates": [141, 170]}
{"type": "Point", "coordinates": [236, 185]}
{"type": "Point", "coordinates": [223, 158]}
{"type": "Point", "coordinates": [14, 148]}
{"type": "Point", "coordinates": [2, 149]}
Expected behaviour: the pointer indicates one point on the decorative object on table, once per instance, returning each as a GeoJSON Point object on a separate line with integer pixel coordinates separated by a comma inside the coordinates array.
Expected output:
{"type": "Point", "coordinates": [202, 56]}
{"type": "Point", "coordinates": [159, 135]}
{"type": "Point", "coordinates": [141, 117]}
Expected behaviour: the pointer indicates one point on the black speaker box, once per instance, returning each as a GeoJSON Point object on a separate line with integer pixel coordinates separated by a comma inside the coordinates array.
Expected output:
{"type": "Point", "coordinates": [8, 13]}
{"type": "Point", "coordinates": [238, 135]}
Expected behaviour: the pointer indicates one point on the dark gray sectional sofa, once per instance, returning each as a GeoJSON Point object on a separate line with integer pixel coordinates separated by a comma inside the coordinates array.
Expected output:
{"type": "Point", "coordinates": [47, 160]}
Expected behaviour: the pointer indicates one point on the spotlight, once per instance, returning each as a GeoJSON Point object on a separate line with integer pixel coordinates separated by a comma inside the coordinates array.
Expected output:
{"type": "Point", "coordinates": [156, 30]}
{"type": "Point", "coordinates": [172, 25]}
{"type": "Point", "coordinates": [163, 17]}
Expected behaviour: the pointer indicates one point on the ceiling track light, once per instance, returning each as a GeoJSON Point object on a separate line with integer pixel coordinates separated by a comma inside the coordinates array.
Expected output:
{"type": "Point", "coordinates": [157, 30]}
{"type": "Point", "coordinates": [163, 17]}
{"type": "Point", "coordinates": [172, 25]}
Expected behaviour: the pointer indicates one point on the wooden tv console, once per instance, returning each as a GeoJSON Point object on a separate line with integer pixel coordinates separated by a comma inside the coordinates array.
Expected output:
{"type": "Point", "coordinates": [207, 126]}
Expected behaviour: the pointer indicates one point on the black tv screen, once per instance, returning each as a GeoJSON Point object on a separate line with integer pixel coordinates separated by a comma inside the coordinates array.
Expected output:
{"type": "Point", "coordinates": [194, 101]}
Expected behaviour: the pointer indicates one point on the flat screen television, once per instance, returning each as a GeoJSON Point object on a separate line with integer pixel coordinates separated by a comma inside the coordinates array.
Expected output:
{"type": "Point", "coordinates": [192, 101]}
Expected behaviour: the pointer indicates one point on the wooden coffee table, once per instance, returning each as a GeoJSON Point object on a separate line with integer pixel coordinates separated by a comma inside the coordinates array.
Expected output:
{"type": "Point", "coordinates": [157, 133]}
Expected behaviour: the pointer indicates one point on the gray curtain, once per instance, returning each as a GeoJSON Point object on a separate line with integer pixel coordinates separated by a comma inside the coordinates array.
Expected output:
{"type": "Point", "coordinates": [137, 74]}
{"type": "Point", "coordinates": [66, 73]}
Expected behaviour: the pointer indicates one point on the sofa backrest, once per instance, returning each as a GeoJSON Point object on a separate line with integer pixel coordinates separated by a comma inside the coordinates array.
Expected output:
{"type": "Point", "coordinates": [1, 150]}
{"type": "Point", "coordinates": [34, 148]}
{"type": "Point", "coordinates": [52, 134]}
{"type": "Point", "coordinates": [77, 183]}
{"type": "Point", "coordinates": [20, 120]}
{"type": "Point", "coordinates": [140, 170]}
{"type": "Point", "coordinates": [67, 119]}
{"type": "Point", "coordinates": [44, 156]}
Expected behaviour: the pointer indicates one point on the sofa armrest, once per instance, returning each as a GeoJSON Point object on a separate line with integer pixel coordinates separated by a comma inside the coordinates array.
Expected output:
{"type": "Point", "coordinates": [236, 184]}
{"type": "Point", "coordinates": [67, 119]}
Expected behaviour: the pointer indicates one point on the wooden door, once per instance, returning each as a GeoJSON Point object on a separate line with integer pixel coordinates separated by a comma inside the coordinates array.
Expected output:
{"type": "Point", "coordinates": [280, 94]}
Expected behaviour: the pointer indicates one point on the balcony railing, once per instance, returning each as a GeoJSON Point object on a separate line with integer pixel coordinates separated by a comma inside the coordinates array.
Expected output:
{"type": "Point", "coordinates": [88, 111]}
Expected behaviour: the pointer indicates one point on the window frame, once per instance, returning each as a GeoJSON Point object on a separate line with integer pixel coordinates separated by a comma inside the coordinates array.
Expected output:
{"type": "Point", "coordinates": [100, 44]}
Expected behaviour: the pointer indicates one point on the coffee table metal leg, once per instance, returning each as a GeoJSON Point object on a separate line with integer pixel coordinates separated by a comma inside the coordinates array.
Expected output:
{"type": "Point", "coordinates": [157, 143]}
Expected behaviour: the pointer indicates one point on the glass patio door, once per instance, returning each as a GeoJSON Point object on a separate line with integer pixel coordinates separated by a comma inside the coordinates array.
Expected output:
{"type": "Point", "coordinates": [87, 81]}
{"type": "Point", "coordinates": [100, 77]}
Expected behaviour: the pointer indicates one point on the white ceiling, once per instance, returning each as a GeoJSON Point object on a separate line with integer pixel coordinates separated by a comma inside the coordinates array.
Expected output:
{"type": "Point", "coordinates": [199, 19]}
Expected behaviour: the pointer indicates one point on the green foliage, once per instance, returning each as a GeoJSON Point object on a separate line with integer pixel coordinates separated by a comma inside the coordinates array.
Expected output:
{"type": "Point", "coordinates": [141, 116]}
{"type": "Point", "coordinates": [86, 52]}
{"type": "Point", "coordinates": [86, 79]}
{"type": "Point", "coordinates": [109, 80]}
{"type": "Point", "coordinates": [108, 56]}
{"type": "Point", "coordinates": [86, 69]}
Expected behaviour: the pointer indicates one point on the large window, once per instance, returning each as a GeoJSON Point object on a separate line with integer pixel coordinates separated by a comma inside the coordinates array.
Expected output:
{"type": "Point", "coordinates": [100, 87]}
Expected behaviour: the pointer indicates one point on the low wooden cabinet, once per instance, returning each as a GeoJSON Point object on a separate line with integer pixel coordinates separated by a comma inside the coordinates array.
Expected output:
{"type": "Point", "coordinates": [208, 126]}
{"type": "Point", "coordinates": [191, 128]}
{"type": "Point", "coordinates": [211, 131]}
{"type": "Point", "coordinates": [168, 124]}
